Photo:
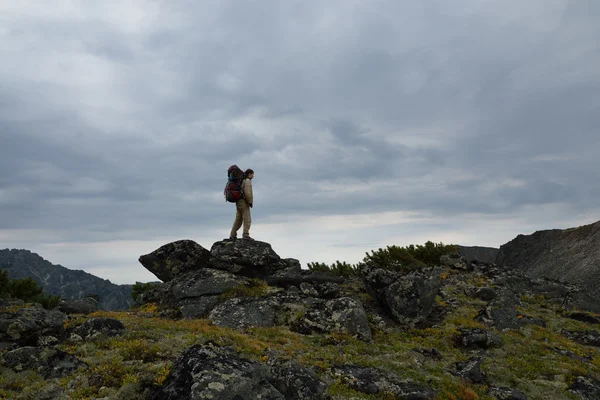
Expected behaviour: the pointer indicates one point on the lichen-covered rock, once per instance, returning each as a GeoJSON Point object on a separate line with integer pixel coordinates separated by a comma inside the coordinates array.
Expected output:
{"type": "Point", "coordinates": [26, 325]}
{"type": "Point", "coordinates": [504, 393]}
{"type": "Point", "coordinates": [239, 313]}
{"type": "Point", "coordinates": [296, 382]}
{"type": "Point", "coordinates": [250, 258]}
{"type": "Point", "coordinates": [377, 381]}
{"type": "Point", "coordinates": [475, 338]}
{"type": "Point", "coordinates": [323, 290]}
{"type": "Point", "coordinates": [586, 387]}
{"type": "Point", "coordinates": [86, 306]}
{"type": "Point", "coordinates": [470, 371]}
{"type": "Point", "coordinates": [175, 258]}
{"type": "Point", "coordinates": [485, 294]}
{"type": "Point", "coordinates": [198, 307]}
{"type": "Point", "coordinates": [100, 326]}
{"type": "Point", "coordinates": [206, 281]}
{"type": "Point", "coordinates": [344, 315]}
{"type": "Point", "coordinates": [455, 261]}
{"type": "Point", "coordinates": [48, 362]}
{"type": "Point", "coordinates": [212, 372]}
{"type": "Point", "coordinates": [409, 298]}
{"type": "Point", "coordinates": [587, 338]}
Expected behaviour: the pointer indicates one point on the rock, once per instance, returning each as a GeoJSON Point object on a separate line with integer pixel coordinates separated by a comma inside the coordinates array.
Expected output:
{"type": "Point", "coordinates": [583, 317]}
{"type": "Point", "coordinates": [377, 381]}
{"type": "Point", "coordinates": [204, 282]}
{"type": "Point", "coordinates": [587, 338]}
{"type": "Point", "coordinates": [295, 277]}
{"type": "Point", "coordinates": [86, 306]}
{"type": "Point", "coordinates": [26, 325]}
{"type": "Point", "coordinates": [470, 371]}
{"type": "Point", "coordinates": [477, 253]}
{"type": "Point", "coordinates": [572, 355]}
{"type": "Point", "coordinates": [212, 372]}
{"type": "Point", "coordinates": [570, 255]}
{"type": "Point", "coordinates": [48, 362]}
{"type": "Point", "coordinates": [485, 294]}
{"type": "Point", "coordinates": [323, 290]}
{"type": "Point", "coordinates": [475, 338]}
{"type": "Point", "coordinates": [240, 313]}
{"type": "Point", "coordinates": [198, 307]}
{"type": "Point", "coordinates": [343, 315]}
{"type": "Point", "coordinates": [455, 261]}
{"type": "Point", "coordinates": [504, 393]}
{"type": "Point", "coordinates": [175, 258]}
{"type": "Point", "coordinates": [588, 388]}
{"type": "Point", "coordinates": [100, 326]}
{"type": "Point", "coordinates": [250, 258]}
{"type": "Point", "coordinates": [295, 382]}
{"type": "Point", "coordinates": [431, 353]}
{"type": "Point", "coordinates": [409, 298]}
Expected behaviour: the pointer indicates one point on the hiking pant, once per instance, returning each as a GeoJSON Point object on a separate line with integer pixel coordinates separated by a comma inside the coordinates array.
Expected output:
{"type": "Point", "coordinates": [242, 215]}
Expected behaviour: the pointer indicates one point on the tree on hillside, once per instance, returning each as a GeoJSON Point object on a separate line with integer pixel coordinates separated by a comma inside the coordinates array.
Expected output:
{"type": "Point", "coordinates": [25, 289]}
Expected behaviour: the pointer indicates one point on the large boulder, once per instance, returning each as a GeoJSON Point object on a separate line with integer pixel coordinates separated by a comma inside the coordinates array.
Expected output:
{"type": "Point", "coordinates": [48, 362]}
{"type": "Point", "coordinates": [250, 258]}
{"type": "Point", "coordinates": [409, 298]}
{"type": "Point", "coordinates": [244, 312]}
{"type": "Point", "coordinates": [175, 258]}
{"type": "Point", "coordinates": [27, 325]}
{"type": "Point", "coordinates": [204, 282]}
{"type": "Point", "coordinates": [343, 315]}
{"type": "Point", "coordinates": [570, 255]}
{"type": "Point", "coordinates": [212, 372]}
{"type": "Point", "coordinates": [86, 305]}
{"type": "Point", "coordinates": [375, 381]}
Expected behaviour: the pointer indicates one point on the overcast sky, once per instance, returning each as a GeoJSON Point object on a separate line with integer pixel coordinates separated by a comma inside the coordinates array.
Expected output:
{"type": "Point", "coordinates": [368, 123]}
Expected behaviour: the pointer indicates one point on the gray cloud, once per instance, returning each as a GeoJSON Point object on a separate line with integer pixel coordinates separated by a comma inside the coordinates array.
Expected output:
{"type": "Point", "coordinates": [125, 117]}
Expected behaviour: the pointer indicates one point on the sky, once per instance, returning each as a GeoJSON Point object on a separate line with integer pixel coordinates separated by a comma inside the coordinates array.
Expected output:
{"type": "Point", "coordinates": [367, 123]}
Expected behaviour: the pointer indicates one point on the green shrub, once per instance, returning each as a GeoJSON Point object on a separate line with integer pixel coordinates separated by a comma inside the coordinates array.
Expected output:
{"type": "Point", "coordinates": [254, 288]}
{"type": "Point", "coordinates": [25, 289]}
{"type": "Point", "coordinates": [408, 258]}
{"type": "Point", "coordinates": [140, 288]}
{"type": "Point", "coordinates": [338, 268]}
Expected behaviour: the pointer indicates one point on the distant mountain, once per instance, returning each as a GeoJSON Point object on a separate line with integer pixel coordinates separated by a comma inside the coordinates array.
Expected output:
{"type": "Point", "coordinates": [478, 253]}
{"type": "Point", "coordinates": [69, 284]}
{"type": "Point", "coordinates": [570, 255]}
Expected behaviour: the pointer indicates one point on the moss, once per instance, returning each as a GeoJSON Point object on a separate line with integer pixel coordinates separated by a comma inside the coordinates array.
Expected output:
{"type": "Point", "coordinates": [254, 288]}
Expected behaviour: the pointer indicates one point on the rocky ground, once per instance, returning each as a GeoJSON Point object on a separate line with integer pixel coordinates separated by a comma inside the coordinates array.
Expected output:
{"type": "Point", "coordinates": [239, 322]}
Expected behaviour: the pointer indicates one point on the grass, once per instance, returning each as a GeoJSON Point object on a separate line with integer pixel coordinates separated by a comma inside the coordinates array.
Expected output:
{"type": "Point", "coordinates": [141, 358]}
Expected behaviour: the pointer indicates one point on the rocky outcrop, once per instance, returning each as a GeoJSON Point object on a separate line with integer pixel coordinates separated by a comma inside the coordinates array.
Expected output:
{"type": "Point", "coordinates": [175, 258]}
{"type": "Point", "coordinates": [504, 393]}
{"type": "Point", "coordinates": [470, 371]}
{"type": "Point", "coordinates": [67, 283]}
{"type": "Point", "coordinates": [478, 253]}
{"type": "Point", "coordinates": [212, 372]}
{"type": "Point", "coordinates": [569, 255]}
{"type": "Point", "coordinates": [586, 387]}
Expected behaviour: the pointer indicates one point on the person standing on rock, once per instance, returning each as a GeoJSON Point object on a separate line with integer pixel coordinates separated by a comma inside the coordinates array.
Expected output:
{"type": "Point", "coordinates": [242, 208]}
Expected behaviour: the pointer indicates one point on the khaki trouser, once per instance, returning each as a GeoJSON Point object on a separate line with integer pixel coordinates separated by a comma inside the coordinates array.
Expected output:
{"type": "Point", "coordinates": [242, 215]}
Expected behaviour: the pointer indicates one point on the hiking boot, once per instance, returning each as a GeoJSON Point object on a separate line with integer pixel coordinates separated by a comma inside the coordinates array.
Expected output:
{"type": "Point", "coordinates": [232, 238]}
{"type": "Point", "coordinates": [247, 238]}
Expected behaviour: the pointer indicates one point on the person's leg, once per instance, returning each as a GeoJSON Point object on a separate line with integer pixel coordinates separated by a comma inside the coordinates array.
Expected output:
{"type": "Point", "coordinates": [239, 212]}
{"type": "Point", "coordinates": [247, 220]}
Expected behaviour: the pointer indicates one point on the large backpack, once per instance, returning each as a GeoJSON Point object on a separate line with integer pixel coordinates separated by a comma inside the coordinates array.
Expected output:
{"type": "Point", "coordinates": [233, 189]}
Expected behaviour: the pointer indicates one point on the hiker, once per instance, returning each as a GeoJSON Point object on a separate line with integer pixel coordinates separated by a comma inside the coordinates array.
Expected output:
{"type": "Point", "coordinates": [243, 206]}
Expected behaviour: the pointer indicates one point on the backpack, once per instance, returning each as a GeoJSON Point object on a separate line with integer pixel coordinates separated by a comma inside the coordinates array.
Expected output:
{"type": "Point", "coordinates": [233, 188]}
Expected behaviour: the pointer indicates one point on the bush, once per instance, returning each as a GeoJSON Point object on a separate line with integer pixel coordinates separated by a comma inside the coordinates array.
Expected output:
{"type": "Point", "coordinates": [338, 268]}
{"type": "Point", "coordinates": [140, 288]}
{"type": "Point", "coordinates": [25, 289]}
{"type": "Point", "coordinates": [396, 258]}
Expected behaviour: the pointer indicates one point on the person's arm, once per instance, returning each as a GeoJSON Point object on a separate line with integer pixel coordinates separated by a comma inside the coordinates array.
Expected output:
{"type": "Point", "coordinates": [248, 195]}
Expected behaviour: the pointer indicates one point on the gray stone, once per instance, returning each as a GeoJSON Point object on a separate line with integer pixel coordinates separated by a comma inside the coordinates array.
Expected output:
{"type": "Point", "coordinates": [250, 258]}
{"type": "Point", "coordinates": [344, 315]}
{"type": "Point", "coordinates": [198, 307]}
{"type": "Point", "coordinates": [204, 282]}
{"type": "Point", "coordinates": [504, 393]}
{"type": "Point", "coordinates": [48, 362]}
{"type": "Point", "coordinates": [175, 258]}
{"type": "Point", "coordinates": [86, 305]}
{"type": "Point", "coordinates": [475, 338]}
{"type": "Point", "coordinates": [376, 381]}
{"type": "Point", "coordinates": [26, 325]}
{"type": "Point", "coordinates": [586, 387]}
{"type": "Point", "coordinates": [239, 313]}
{"type": "Point", "coordinates": [470, 371]}
{"type": "Point", "coordinates": [587, 338]}
{"type": "Point", "coordinates": [100, 326]}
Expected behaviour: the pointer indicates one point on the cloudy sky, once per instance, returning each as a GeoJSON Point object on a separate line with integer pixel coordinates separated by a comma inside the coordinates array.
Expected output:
{"type": "Point", "coordinates": [368, 123]}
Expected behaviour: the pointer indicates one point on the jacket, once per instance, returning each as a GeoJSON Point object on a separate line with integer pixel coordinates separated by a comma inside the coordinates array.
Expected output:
{"type": "Point", "coordinates": [247, 190]}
